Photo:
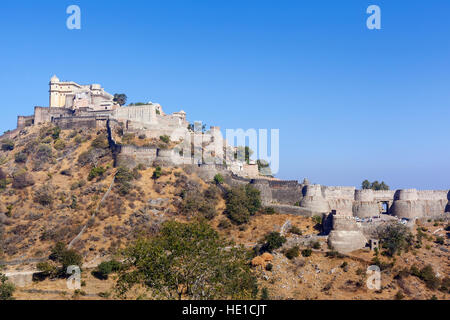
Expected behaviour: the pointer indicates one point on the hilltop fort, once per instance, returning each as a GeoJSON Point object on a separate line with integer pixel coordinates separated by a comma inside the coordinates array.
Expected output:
{"type": "Point", "coordinates": [351, 214]}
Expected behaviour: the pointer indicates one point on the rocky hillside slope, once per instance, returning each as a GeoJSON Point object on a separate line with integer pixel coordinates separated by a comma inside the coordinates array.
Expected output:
{"type": "Point", "coordinates": [61, 185]}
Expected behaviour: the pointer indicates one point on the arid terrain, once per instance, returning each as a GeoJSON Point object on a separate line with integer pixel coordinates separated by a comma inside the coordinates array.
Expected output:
{"type": "Point", "coordinates": [54, 188]}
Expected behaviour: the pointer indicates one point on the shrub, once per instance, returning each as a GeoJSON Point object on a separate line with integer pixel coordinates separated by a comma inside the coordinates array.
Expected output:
{"type": "Point", "coordinates": [241, 203]}
{"type": "Point", "coordinates": [265, 294]}
{"type": "Point", "coordinates": [224, 224]}
{"type": "Point", "coordinates": [43, 155]}
{"type": "Point", "coordinates": [66, 257]}
{"type": "Point", "coordinates": [157, 173]}
{"type": "Point", "coordinates": [194, 202]}
{"type": "Point", "coordinates": [273, 241]}
{"type": "Point", "coordinates": [218, 179]}
{"type": "Point", "coordinates": [101, 141]}
{"type": "Point", "coordinates": [3, 184]}
{"type": "Point", "coordinates": [59, 144]}
{"type": "Point", "coordinates": [43, 195]}
{"type": "Point", "coordinates": [317, 219]}
{"type": "Point", "coordinates": [165, 138]}
{"type": "Point", "coordinates": [440, 240]}
{"type": "Point", "coordinates": [55, 133]}
{"type": "Point", "coordinates": [395, 238]}
{"type": "Point", "coordinates": [20, 157]}
{"type": "Point", "coordinates": [96, 172]}
{"type": "Point", "coordinates": [6, 288]}
{"type": "Point", "coordinates": [7, 145]}
{"type": "Point", "coordinates": [295, 230]}
{"type": "Point", "coordinates": [427, 275]}
{"type": "Point", "coordinates": [316, 245]}
{"type": "Point", "coordinates": [47, 270]}
{"type": "Point", "coordinates": [399, 295]}
{"type": "Point", "coordinates": [22, 179]}
{"type": "Point", "coordinates": [105, 268]}
{"type": "Point", "coordinates": [188, 255]}
{"type": "Point", "coordinates": [268, 210]}
{"type": "Point", "coordinates": [77, 184]}
{"type": "Point", "coordinates": [306, 252]}
{"type": "Point", "coordinates": [3, 174]}
{"type": "Point", "coordinates": [292, 252]}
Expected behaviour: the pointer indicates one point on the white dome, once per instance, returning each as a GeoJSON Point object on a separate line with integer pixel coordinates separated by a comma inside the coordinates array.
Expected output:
{"type": "Point", "coordinates": [54, 79]}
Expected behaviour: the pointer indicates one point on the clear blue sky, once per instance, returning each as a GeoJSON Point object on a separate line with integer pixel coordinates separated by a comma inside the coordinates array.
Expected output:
{"type": "Point", "coordinates": [350, 103]}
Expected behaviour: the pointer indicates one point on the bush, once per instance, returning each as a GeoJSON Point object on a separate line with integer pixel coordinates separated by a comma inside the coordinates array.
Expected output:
{"type": "Point", "coordinates": [399, 295]}
{"type": "Point", "coordinates": [20, 157]}
{"type": "Point", "coordinates": [241, 203]}
{"type": "Point", "coordinates": [157, 173]}
{"type": "Point", "coordinates": [395, 238]}
{"type": "Point", "coordinates": [7, 145]}
{"type": "Point", "coordinates": [292, 253]}
{"type": "Point", "coordinates": [96, 172]}
{"type": "Point", "coordinates": [66, 257]}
{"type": "Point", "coordinates": [3, 174]}
{"type": "Point", "coordinates": [265, 294]}
{"type": "Point", "coordinates": [194, 202]}
{"type": "Point", "coordinates": [101, 141]}
{"type": "Point", "coordinates": [22, 179]}
{"type": "Point", "coordinates": [273, 241]}
{"type": "Point", "coordinates": [427, 275]}
{"type": "Point", "coordinates": [316, 245]}
{"type": "Point", "coordinates": [268, 210]}
{"type": "Point", "coordinates": [106, 268]}
{"type": "Point", "coordinates": [188, 255]}
{"type": "Point", "coordinates": [43, 155]}
{"type": "Point", "coordinates": [165, 138]}
{"type": "Point", "coordinates": [218, 179]}
{"type": "Point", "coordinates": [295, 230]}
{"type": "Point", "coordinates": [317, 219]}
{"type": "Point", "coordinates": [47, 270]}
{"type": "Point", "coordinates": [55, 133]}
{"type": "Point", "coordinates": [440, 240]}
{"type": "Point", "coordinates": [6, 288]}
{"type": "Point", "coordinates": [59, 145]}
{"type": "Point", "coordinates": [224, 224]}
{"type": "Point", "coordinates": [44, 196]}
{"type": "Point", "coordinates": [306, 252]}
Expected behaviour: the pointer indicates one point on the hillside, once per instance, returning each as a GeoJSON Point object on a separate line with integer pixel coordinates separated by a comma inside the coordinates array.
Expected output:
{"type": "Point", "coordinates": [62, 186]}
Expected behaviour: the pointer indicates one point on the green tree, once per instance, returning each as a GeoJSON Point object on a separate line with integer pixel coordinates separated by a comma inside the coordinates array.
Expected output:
{"type": "Point", "coordinates": [273, 241]}
{"type": "Point", "coordinates": [65, 257]}
{"type": "Point", "coordinates": [105, 268]}
{"type": "Point", "coordinates": [395, 238]}
{"type": "Point", "coordinates": [365, 184]}
{"type": "Point", "coordinates": [157, 173]}
{"type": "Point", "coordinates": [264, 167]}
{"type": "Point", "coordinates": [120, 98]}
{"type": "Point", "coordinates": [218, 179]}
{"type": "Point", "coordinates": [187, 260]}
{"type": "Point", "coordinates": [7, 145]}
{"type": "Point", "coordinates": [6, 288]}
{"type": "Point", "coordinates": [242, 202]}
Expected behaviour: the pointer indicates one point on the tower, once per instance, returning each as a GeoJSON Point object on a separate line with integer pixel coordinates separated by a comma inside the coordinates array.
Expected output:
{"type": "Point", "coordinates": [55, 96]}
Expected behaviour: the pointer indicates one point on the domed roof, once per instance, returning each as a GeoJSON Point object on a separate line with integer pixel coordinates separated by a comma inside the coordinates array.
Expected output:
{"type": "Point", "coordinates": [54, 79]}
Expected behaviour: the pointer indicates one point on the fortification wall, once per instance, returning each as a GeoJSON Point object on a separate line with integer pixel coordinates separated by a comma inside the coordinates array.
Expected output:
{"type": "Point", "coordinates": [44, 114]}
{"type": "Point", "coordinates": [24, 121]}
{"type": "Point", "coordinates": [346, 236]}
{"type": "Point", "coordinates": [90, 122]}
{"type": "Point", "coordinates": [332, 193]}
{"type": "Point", "coordinates": [130, 156]}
